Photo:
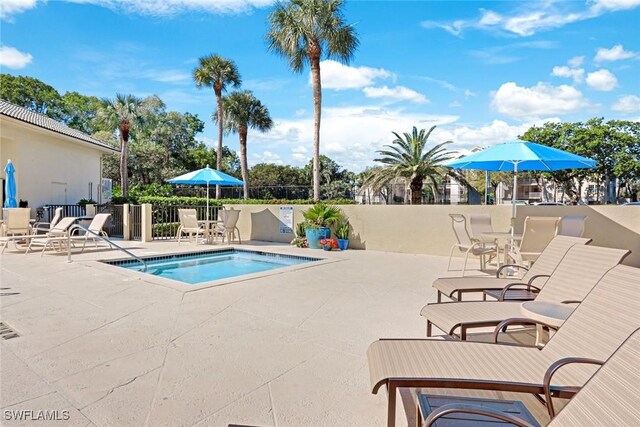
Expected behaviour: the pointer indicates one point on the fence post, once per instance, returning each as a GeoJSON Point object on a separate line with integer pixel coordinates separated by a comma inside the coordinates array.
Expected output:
{"type": "Point", "coordinates": [90, 210]}
{"type": "Point", "coordinates": [126, 222]}
{"type": "Point", "coordinates": [147, 223]}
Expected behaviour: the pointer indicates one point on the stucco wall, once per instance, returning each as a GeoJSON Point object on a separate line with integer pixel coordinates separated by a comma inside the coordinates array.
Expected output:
{"type": "Point", "coordinates": [427, 229]}
{"type": "Point", "coordinates": [49, 168]}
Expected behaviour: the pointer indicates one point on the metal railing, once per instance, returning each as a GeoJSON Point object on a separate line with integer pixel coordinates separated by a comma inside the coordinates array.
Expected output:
{"type": "Point", "coordinates": [104, 239]}
{"type": "Point", "coordinates": [67, 210]}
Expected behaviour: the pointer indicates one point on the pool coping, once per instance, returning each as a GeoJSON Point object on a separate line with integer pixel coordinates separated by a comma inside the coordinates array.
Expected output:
{"type": "Point", "coordinates": [112, 263]}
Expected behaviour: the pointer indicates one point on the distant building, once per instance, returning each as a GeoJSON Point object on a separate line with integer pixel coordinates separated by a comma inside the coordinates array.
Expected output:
{"type": "Point", "coordinates": [54, 163]}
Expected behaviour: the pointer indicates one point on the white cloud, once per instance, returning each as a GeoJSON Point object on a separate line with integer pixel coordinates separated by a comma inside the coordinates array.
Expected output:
{"type": "Point", "coordinates": [349, 135]}
{"type": "Point", "coordinates": [469, 93]}
{"type": "Point", "coordinates": [576, 61]}
{"type": "Point", "coordinates": [614, 5]}
{"type": "Point", "coordinates": [264, 157]}
{"type": "Point", "coordinates": [602, 80]}
{"type": "Point", "coordinates": [541, 100]}
{"type": "Point", "coordinates": [577, 74]}
{"type": "Point", "coordinates": [8, 8]}
{"type": "Point", "coordinates": [616, 53]}
{"type": "Point", "coordinates": [399, 93]}
{"type": "Point", "coordinates": [528, 18]}
{"type": "Point", "coordinates": [167, 76]}
{"type": "Point", "coordinates": [455, 104]}
{"type": "Point", "coordinates": [11, 57]}
{"type": "Point", "coordinates": [627, 104]}
{"type": "Point", "coordinates": [466, 137]}
{"type": "Point", "coordinates": [339, 76]}
{"type": "Point", "coordinates": [173, 7]}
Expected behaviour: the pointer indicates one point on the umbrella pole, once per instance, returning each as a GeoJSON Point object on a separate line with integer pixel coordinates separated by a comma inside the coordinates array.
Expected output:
{"type": "Point", "coordinates": [513, 197]}
{"type": "Point", "coordinates": [207, 200]}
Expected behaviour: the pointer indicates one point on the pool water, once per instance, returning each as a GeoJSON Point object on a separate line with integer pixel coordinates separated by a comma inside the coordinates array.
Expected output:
{"type": "Point", "coordinates": [213, 265]}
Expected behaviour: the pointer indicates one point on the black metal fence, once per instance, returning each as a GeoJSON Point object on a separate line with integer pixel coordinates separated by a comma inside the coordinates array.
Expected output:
{"type": "Point", "coordinates": [166, 221]}
{"type": "Point", "coordinates": [47, 212]}
{"type": "Point", "coordinates": [135, 219]}
{"type": "Point", "coordinates": [115, 224]}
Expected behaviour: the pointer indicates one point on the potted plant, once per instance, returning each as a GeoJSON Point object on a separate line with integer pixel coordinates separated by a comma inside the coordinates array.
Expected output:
{"type": "Point", "coordinates": [342, 234]}
{"type": "Point", "coordinates": [301, 240]}
{"type": "Point", "coordinates": [318, 218]}
{"type": "Point", "coordinates": [329, 244]}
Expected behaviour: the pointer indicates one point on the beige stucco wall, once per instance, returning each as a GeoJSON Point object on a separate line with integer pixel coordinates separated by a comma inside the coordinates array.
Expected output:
{"type": "Point", "coordinates": [50, 168]}
{"type": "Point", "coordinates": [427, 229]}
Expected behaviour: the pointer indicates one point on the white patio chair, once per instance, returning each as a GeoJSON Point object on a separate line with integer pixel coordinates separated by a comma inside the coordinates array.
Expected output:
{"type": "Point", "coordinates": [466, 244]}
{"type": "Point", "coordinates": [227, 226]}
{"type": "Point", "coordinates": [538, 232]}
{"type": "Point", "coordinates": [572, 225]}
{"type": "Point", "coordinates": [16, 222]}
{"type": "Point", "coordinates": [189, 225]}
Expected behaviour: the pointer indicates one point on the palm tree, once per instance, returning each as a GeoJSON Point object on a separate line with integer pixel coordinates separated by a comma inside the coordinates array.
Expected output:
{"type": "Point", "coordinates": [406, 157]}
{"type": "Point", "coordinates": [122, 113]}
{"type": "Point", "coordinates": [217, 72]}
{"type": "Point", "coordinates": [242, 111]}
{"type": "Point", "coordinates": [304, 31]}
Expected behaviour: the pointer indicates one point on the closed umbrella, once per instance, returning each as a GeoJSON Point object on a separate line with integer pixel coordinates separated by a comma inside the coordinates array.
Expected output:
{"type": "Point", "coordinates": [206, 176]}
{"type": "Point", "coordinates": [10, 186]}
{"type": "Point", "coordinates": [518, 155]}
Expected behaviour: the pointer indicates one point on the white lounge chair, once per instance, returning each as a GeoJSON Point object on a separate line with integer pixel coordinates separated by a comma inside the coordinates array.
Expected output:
{"type": "Point", "coordinates": [538, 232]}
{"type": "Point", "coordinates": [45, 227]}
{"type": "Point", "coordinates": [572, 225]}
{"type": "Point", "coordinates": [96, 225]}
{"type": "Point", "coordinates": [57, 235]}
{"type": "Point", "coordinates": [227, 226]}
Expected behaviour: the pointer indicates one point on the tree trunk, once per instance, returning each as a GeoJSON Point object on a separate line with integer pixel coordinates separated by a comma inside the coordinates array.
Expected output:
{"type": "Point", "coordinates": [219, 151]}
{"type": "Point", "coordinates": [242, 133]}
{"type": "Point", "coordinates": [416, 191]}
{"type": "Point", "coordinates": [124, 181]}
{"type": "Point", "coordinates": [317, 108]}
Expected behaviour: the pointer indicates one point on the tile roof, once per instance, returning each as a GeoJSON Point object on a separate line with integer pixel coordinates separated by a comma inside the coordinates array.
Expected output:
{"type": "Point", "coordinates": [19, 113]}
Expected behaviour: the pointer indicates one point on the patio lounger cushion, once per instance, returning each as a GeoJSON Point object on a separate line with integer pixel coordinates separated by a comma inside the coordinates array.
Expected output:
{"type": "Point", "coordinates": [578, 272]}
{"type": "Point", "coordinates": [598, 326]}
{"type": "Point", "coordinates": [545, 265]}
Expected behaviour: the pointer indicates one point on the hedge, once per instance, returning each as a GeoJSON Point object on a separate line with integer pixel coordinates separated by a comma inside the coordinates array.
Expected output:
{"type": "Point", "coordinates": [202, 201]}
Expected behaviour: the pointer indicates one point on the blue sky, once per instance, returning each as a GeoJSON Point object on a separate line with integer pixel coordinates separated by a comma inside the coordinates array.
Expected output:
{"type": "Point", "coordinates": [483, 72]}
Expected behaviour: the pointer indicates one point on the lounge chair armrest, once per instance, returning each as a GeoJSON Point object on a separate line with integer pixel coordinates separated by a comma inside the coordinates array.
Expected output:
{"type": "Point", "coordinates": [553, 369]}
{"type": "Point", "coordinates": [508, 287]}
{"type": "Point", "coordinates": [510, 266]}
{"type": "Point", "coordinates": [461, 408]}
{"type": "Point", "coordinates": [516, 321]}
{"type": "Point", "coordinates": [571, 301]}
{"type": "Point", "coordinates": [536, 277]}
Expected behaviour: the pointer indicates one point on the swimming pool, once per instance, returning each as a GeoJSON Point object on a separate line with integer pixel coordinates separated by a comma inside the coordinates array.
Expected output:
{"type": "Point", "coordinates": [200, 267]}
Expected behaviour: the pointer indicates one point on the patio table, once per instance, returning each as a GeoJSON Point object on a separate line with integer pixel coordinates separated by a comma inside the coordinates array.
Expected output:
{"type": "Point", "coordinates": [552, 313]}
{"type": "Point", "coordinates": [209, 226]}
{"type": "Point", "coordinates": [505, 236]}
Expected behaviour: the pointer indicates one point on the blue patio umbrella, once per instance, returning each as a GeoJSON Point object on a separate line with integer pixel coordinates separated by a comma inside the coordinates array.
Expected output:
{"type": "Point", "coordinates": [206, 176]}
{"type": "Point", "coordinates": [10, 186]}
{"type": "Point", "coordinates": [518, 155]}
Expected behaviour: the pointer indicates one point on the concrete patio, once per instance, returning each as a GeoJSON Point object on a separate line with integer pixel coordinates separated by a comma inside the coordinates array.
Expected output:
{"type": "Point", "coordinates": [115, 349]}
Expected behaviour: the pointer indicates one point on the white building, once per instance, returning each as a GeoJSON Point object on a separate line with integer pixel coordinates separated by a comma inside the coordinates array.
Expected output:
{"type": "Point", "coordinates": [54, 163]}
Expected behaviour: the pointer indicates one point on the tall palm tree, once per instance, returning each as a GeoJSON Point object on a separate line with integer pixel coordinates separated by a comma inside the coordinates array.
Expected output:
{"type": "Point", "coordinates": [304, 31]}
{"type": "Point", "coordinates": [242, 111]}
{"type": "Point", "coordinates": [217, 72]}
{"type": "Point", "coordinates": [122, 113]}
{"type": "Point", "coordinates": [407, 157]}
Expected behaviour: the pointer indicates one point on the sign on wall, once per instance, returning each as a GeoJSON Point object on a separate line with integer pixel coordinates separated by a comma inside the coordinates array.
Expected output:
{"type": "Point", "coordinates": [286, 220]}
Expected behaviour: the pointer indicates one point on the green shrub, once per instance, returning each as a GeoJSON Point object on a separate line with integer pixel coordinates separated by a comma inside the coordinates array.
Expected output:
{"type": "Point", "coordinates": [166, 229]}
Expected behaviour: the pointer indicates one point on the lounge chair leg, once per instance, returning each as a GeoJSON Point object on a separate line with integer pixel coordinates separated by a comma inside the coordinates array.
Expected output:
{"type": "Point", "coordinates": [439, 296]}
{"type": "Point", "coordinates": [451, 256]}
{"type": "Point", "coordinates": [391, 407]}
{"type": "Point", "coordinates": [459, 295]}
{"type": "Point", "coordinates": [429, 327]}
{"type": "Point", "coordinates": [464, 266]}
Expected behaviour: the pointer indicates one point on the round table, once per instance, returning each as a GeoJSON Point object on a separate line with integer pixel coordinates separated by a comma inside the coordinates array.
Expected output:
{"type": "Point", "coordinates": [498, 236]}
{"type": "Point", "coordinates": [552, 313]}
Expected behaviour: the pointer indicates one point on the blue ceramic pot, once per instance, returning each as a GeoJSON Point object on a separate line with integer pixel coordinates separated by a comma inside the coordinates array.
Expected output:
{"type": "Point", "coordinates": [343, 244]}
{"type": "Point", "coordinates": [314, 235]}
